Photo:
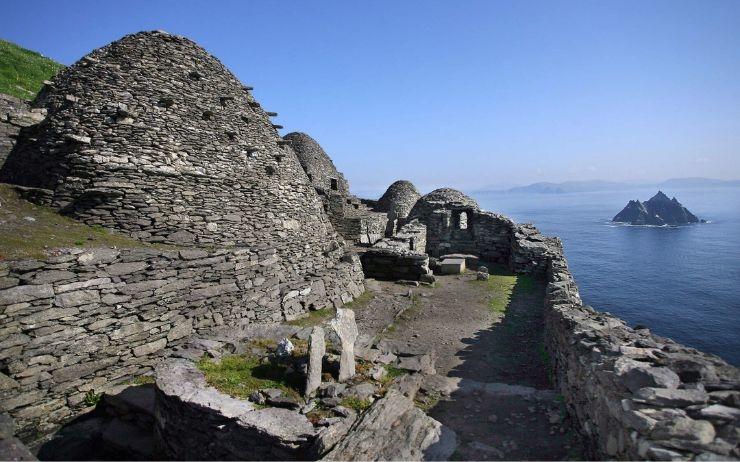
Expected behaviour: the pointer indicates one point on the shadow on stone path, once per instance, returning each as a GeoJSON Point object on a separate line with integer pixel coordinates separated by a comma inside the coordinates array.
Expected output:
{"type": "Point", "coordinates": [484, 350]}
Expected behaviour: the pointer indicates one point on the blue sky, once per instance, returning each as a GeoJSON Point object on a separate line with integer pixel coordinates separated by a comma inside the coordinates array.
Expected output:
{"type": "Point", "coordinates": [466, 93]}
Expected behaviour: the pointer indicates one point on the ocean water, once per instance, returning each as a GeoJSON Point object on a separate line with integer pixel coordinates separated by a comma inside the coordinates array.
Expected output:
{"type": "Point", "coordinates": [681, 282]}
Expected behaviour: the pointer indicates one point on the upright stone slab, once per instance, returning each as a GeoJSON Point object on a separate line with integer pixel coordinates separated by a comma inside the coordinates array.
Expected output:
{"type": "Point", "coordinates": [346, 328]}
{"type": "Point", "coordinates": [316, 350]}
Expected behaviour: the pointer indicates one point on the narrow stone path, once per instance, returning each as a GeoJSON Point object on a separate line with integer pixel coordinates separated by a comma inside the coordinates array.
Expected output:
{"type": "Point", "coordinates": [495, 390]}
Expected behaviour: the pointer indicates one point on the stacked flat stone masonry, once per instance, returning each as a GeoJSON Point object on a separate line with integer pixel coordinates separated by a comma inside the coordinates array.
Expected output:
{"type": "Point", "coordinates": [90, 320]}
{"type": "Point", "coordinates": [401, 256]}
{"type": "Point", "coordinates": [14, 115]}
{"type": "Point", "coordinates": [152, 136]}
{"type": "Point", "coordinates": [635, 395]}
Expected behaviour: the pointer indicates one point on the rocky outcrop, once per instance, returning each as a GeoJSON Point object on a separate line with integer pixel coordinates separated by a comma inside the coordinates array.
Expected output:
{"type": "Point", "coordinates": [658, 211]}
{"type": "Point", "coordinates": [395, 429]}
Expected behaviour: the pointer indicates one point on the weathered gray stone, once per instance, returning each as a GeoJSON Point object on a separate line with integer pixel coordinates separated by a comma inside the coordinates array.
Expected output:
{"type": "Point", "coordinates": [26, 293]}
{"type": "Point", "coordinates": [151, 347]}
{"type": "Point", "coordinates": [636, 375]}
{"type": "Point", "coordinates": [14, 449]}
{"type": "Point", "coordinates": [189, 412]}
{"type": "Point", "coordinates": [720, 412]}
{"type": "Point", "coordinates": [180, 330]}
{"type": "Point", "coordinates": [79, 297]}
{"type": "Point", "coordinates": [376, 435]}
{"type": "Point", "coordinates": [684, 428]}
{"type": "Point", "coordinates": [316, 351]}
{"type": "Point", "coordinates": [346, 329]}
{"type": "Point", "coordinates": [671, 397]}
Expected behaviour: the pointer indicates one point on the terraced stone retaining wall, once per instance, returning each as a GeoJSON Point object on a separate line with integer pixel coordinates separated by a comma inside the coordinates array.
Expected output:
{"type": "Point", "coordinates": [636, 395]}
{"type": "Point", "coordinates": [87, 320]}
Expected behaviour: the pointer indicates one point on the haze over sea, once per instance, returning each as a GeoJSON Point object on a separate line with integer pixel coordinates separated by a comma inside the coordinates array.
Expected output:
{"type": "Point", "coordinates": [681, 282]}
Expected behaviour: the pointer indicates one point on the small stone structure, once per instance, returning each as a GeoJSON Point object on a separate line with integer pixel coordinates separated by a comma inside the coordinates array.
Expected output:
{"type": "Point", "coordinates": [352, 218]}
{"type": "Point", "coordinates": [401, 256]}
{"type": "Point", "coordinates": [397, 202]}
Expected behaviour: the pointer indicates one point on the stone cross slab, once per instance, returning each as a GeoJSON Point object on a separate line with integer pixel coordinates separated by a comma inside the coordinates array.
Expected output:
{"type": "Point", "coordinates": [346, 328]}
{"type": "Point", "coordinates": [316, 350]}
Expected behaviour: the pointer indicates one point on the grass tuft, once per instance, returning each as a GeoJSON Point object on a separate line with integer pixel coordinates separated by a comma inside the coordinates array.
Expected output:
{"type": "Point", "coordinates": [22, 71]}
{"type": "Point", "coordinates": [355, 403]}
{"type": "Point", "coordinates": [314, 318]}
{"type": "Point", "coordinates": [240, 375]}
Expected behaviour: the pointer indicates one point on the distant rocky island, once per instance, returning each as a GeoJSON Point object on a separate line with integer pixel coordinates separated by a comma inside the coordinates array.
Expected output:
{"type": "Point", "coordinates": [658, 211]}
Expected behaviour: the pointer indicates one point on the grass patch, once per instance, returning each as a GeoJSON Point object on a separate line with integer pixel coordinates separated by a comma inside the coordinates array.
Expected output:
{"type": "Point", "coordinates": [29, 231]}
{"type": "Point", "coordinates": [240, 375]}
{"type": "Point", "coordinates": [143, 380]}
{"type": "Point", "coordinates": [391, 372]}
{"type": "Point", "coordinates": [314, 318]}
{"type": "Point", "coordinates": [91, 398]}
{"type": "Point", "coordinates": [355, 403]}
{"type": "Point", "coordinates": [426, 402]}
{"type": "Point", "coordinates": [360, 301]}
{"type": "Point", "coordinates": [22, 71]}
{"type": "Point", "coordinates": [501, 285]}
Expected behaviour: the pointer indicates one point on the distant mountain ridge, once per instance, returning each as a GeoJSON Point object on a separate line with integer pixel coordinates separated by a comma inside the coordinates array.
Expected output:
{"type": "Point", "coordinates": [601, 185]}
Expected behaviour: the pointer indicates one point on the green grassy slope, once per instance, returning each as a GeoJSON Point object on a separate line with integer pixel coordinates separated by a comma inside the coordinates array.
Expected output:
{"type": "Point", "coordinates": [22, 72]}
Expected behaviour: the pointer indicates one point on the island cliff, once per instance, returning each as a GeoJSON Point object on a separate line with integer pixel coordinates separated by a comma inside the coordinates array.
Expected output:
{"type": "Point", "coordinates": [658, 211]}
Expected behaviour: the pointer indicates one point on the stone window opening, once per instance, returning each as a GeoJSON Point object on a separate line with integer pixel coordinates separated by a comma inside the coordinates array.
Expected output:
{"type": "Point", "coordinates": [207, 115]}
{"type": "Point", "coordinates": [194, 75]}
{"type": "Point", "coordinates": [462, 220]}
{"type": "Point", "coordinates": [270, 170]}
{"type": "Point", "coordinates": [334, 184]}
{"type": "Point", "coordinates": [231, 135]}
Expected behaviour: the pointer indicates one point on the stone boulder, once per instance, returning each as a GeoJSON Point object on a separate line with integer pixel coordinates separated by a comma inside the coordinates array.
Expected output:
{"type": "Point", "coordinates": [395, 429]}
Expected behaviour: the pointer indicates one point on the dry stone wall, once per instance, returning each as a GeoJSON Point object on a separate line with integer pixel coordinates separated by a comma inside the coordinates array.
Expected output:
{"type": "Point", "coordinates": [14, 115]}
{"type": "Point", "coordinates": [401, 256]}
{"type": "Point", "coordinates": [634, 395]}
{"type": "Point", "coordinates": [93, 319]}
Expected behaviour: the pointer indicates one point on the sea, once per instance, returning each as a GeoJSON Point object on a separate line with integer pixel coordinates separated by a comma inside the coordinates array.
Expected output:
{"type": "Point", "coordinates": [682, 282]}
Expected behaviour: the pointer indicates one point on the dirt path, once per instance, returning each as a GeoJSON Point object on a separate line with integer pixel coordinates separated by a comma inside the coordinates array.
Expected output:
{"type": "Point", "coordinates": [487, 334]}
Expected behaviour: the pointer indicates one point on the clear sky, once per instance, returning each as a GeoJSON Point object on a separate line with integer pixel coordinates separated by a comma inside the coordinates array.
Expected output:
{"type": "Point", "coordinates": [461, 93]}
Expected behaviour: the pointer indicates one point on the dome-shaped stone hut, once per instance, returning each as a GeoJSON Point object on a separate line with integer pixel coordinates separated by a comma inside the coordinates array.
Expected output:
{"type": "Point", "coordinates": [449, 216]}
{"type": "Point", "coordinates": [153, 136]}
{"type": "Point", "coordinates": [398, 199]}
{"type": "Point", "coordinates": [317, 164]}
{"type": "Point", "coordinates": [352, 218]}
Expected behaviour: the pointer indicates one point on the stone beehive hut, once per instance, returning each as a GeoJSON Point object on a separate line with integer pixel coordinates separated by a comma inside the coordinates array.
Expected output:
{"type": "Point", "coordinates": [399, 199]}
{"type": "Point", "coordinates": [352, 218]}
{"type": "Point", "coordinates": [318, 165]}
{"type": "Point", "coordinates": [153, 136]}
